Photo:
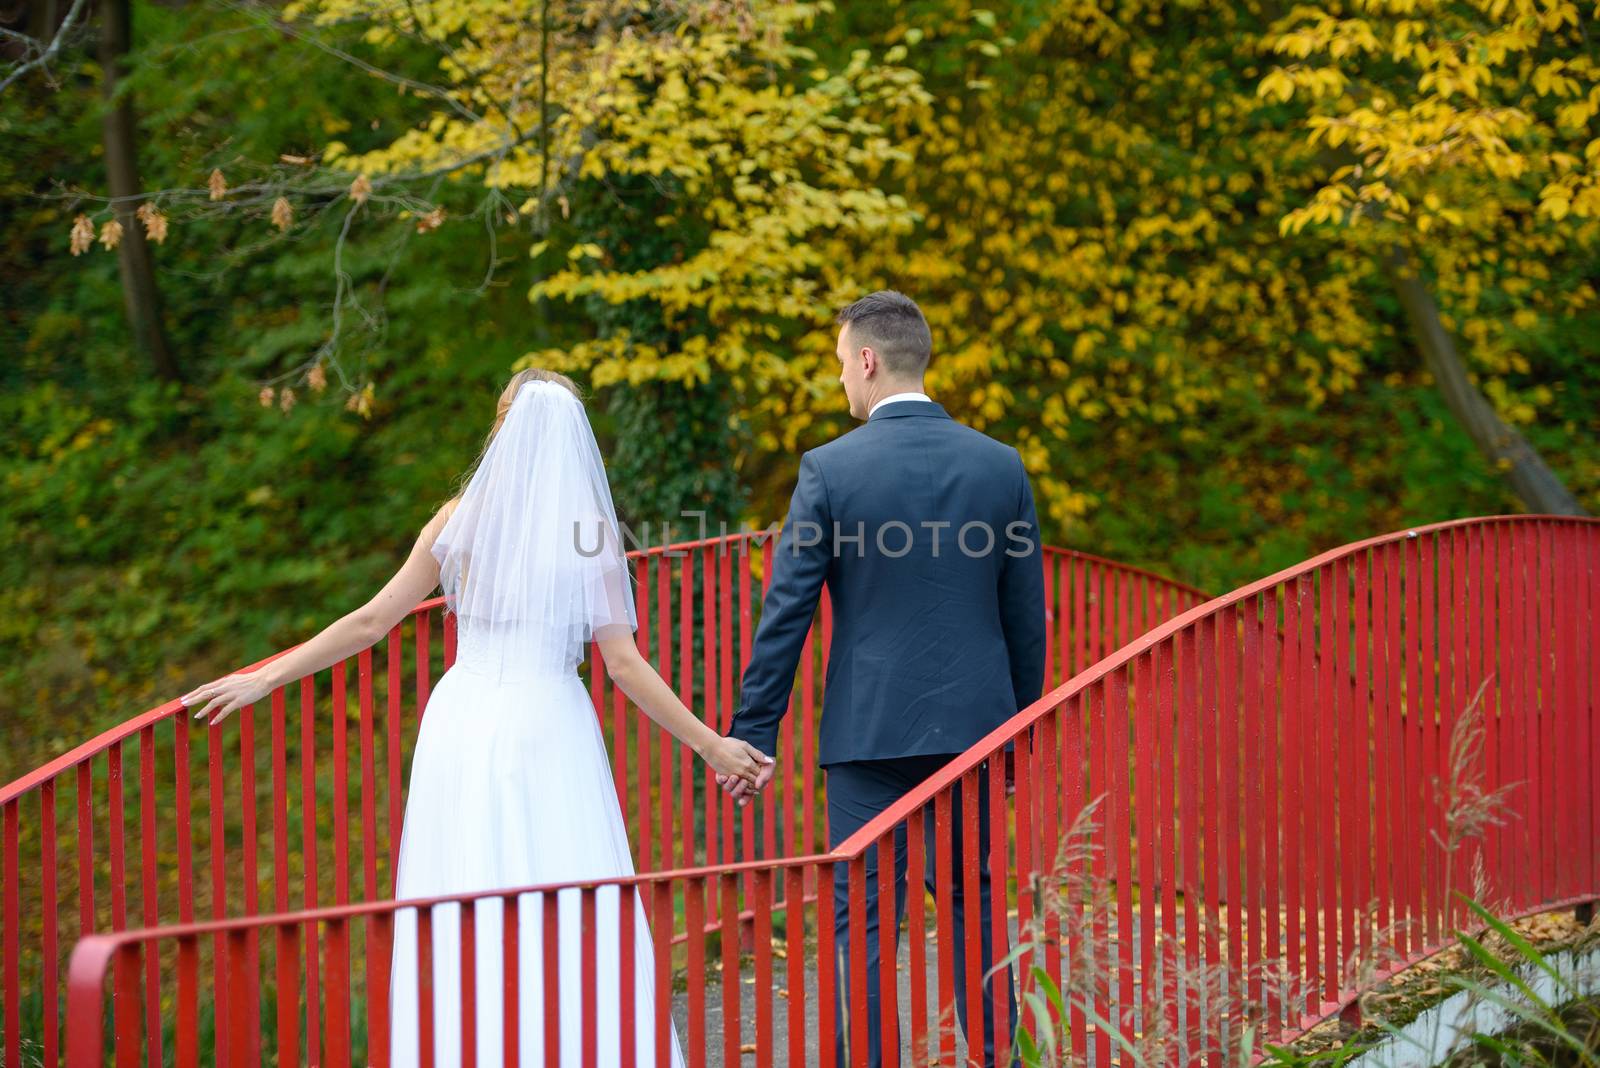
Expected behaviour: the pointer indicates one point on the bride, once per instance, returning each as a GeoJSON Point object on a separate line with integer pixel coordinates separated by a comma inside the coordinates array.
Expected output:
{"type": "Point", "coordinates": [510, 783]}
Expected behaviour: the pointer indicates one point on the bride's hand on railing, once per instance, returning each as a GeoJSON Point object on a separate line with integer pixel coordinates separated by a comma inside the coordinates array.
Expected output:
{"type": "Point", "coordinates": [226, 694]}
{"type": "Point", "coordinates": [733, 759]}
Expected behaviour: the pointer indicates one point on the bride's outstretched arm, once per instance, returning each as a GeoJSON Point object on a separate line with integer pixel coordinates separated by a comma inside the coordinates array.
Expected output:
{"type": "Point", "coordinates": [344, 637]}
{"type": "Point", "coordinates": [634, 675]}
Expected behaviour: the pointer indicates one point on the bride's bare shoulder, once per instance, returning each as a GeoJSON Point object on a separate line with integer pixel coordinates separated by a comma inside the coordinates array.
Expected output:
{"type": "Point", "coordinates": [440, 518]}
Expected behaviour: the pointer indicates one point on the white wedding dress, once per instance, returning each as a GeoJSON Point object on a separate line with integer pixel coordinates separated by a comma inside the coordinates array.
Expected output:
{"type": "Point", "coordinates": [510, 782]}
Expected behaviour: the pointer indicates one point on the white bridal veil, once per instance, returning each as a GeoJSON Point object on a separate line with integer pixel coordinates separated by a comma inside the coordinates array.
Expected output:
{"type": "Point", "coordinates": [533, 552]}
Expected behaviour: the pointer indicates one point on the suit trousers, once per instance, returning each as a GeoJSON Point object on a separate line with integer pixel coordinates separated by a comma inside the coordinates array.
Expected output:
{"type": "Point", "coordinates": [858, 791]}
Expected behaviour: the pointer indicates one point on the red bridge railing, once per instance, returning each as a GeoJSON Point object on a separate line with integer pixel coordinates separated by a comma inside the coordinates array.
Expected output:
{"type": "Point", "coordinates": [1247, 815]}
{"type": "Point", "coordinates": [298, 803]}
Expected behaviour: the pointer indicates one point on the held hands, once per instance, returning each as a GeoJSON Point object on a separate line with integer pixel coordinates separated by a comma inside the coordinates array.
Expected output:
{"type": "Point", "coordinates": [226, 694]}
{"type": "Point", "coordinates": [742, 770]}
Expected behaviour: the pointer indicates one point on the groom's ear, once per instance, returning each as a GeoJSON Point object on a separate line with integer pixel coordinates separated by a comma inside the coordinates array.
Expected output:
{"type": "Point", "coordinates": [870, 364]}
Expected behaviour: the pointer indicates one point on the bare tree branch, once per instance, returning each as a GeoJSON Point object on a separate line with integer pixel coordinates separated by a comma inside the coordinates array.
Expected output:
{"type": "Point", "coordinates": [45, 52]}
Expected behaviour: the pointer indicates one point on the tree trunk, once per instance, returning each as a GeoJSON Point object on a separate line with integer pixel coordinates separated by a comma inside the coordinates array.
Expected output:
{"type": "Point", "coordinates": [1504, 447]}
{"type": "Point", "coordinates": [140, 296]}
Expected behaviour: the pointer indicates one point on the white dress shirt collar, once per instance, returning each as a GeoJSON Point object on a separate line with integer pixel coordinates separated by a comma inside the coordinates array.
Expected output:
{"type": "Point", "coordinates": [899, 397]}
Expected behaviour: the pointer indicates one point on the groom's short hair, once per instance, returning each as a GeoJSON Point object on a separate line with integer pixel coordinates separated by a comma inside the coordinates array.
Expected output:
{"type": "Point", "coordinates": [892, 325]}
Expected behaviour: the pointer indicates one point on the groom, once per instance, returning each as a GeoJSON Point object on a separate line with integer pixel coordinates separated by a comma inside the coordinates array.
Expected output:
{"type": "Point", "coordinates": [924, 532]}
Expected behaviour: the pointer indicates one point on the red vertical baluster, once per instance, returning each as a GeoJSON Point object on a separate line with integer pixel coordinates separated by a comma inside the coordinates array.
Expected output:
{"type": "Point", "coordinates": [1428, 723]}
{"type": "Point", "coordinates": [125, 1004]}
{"type": "Point", "coordinates": [280, 805]}
{"type": "Point", "coordinates": [944, 919]}
{"type": "Point", "coordinates": [710, 630]}
{"type": "Point", "coordinates": [1097, 594]}
{"type": "Point", "coordinates": [424, 958]}
{"type": "Point", "coordinates": [1234, 844]}
{"type": "Point", "coordinates": [392, 761]}
{"type": "Point", "coordinates": [288, 993]}
{"type": "Point", "coordinates": [147, 886]}
{"type": "Point", "coordinates": [726, 656]}
{"type": "Point", "coordinates": [694, 919]}
{"type": "Point", "coordinates": [1340, 797]}
{"type": "Point", "coordinates": [1463, 687]}
{"type": "Point", "coordinates": [1550, 718]}
{"type": "Point", "coordinates": [666, 797]}
{"type": "Point", "coordinates": [589, 976]}
{"type": "Point", "coordinates": [239, 994]}
{"type": "Point", "coordinates": [1415, 825]}
{"type": "Point", "coordinates": [225, 1023]}
{"type": "Point", "coordinates": [1080, 606]}
{"type": "Point", "coordinates": [550, 947]}
{"type": "Point", "coordinates": [646, 820]}
{"type": "Point", "coordinates": [886, 982]}
{"type": "Point", "coordinates": [661, 900]}
{"type": "Point", "coordinates": [86, 922]}
{"type": "Point", "coordinates": [1250, 713]}
{"type": "Point", "coordinates": [1148, 836]}
{"type": "Point", "coordinates": [1294, 749]}
{"type": "Point", "coordinates": [856, 952]}
{"type": "Point", "coordinates": [826, 965]}
{"type": "Point", "coordinates": [48, 901]}
{"type": "Point", "coordinates": [1274, 772]}
{"type": "Point", "coordinates": [336, 988]}
{"type": "Point", "coordinates": [1117, 750]}
{"type": "Point", "coordinates": [732, 1027]}
{"type": "Point", "coordinates": [972, 860]}
{"type": "Point", "coordinates": [1075, 786]}
{"type": "Point", "coordinates": [186, 1033]}
{"type": "Point", "coordinates": [747, 826]}
{"type": "Point", "coordinates": [686, 769]}
{"type": "Point", "coordinates": [628, 911]}
{"type": "Point", "coordinates": [1164, 837]}
{"type": "Point", "coordinates": [1394, 744]}
{"type": "Point", "coordinates": [1049, 791]}
{"type": "Point", "coordinates": [917, 930]}
{"type": "Point", "coordinates": [999, 883]}
{"type": "Point", "coordinates": [469, 984]}
{"type": "Point", "coordinates": [1330, 599]}
{"type": "Point", "coordinates": [762, 905]}
{"type": "Point", "coordinates": [1064, 636]}
{"type": "Point", "coordinates": [1311, 784]}
{"type": "Point", "coordinates": [117, 823]}
{"type": "Point", "coordinates": [1094, 746]}
{"type": "Point", "coordinates": [1052, 670]}
{"type": "Point", "coordinates": [341, 790]}
{"type": "Point", "coordinates": [1189, 825]}
{"type": "Point", "coordinates": [511, 978]}
{"type": "Point", "coordinates": [308, 845]}
{"type": "Point", "coordinates": [794, 929]}
{"type": "Point", "coordinates": [1361, 732]}
{"type": "Point", "coordinates": [369, 779]}
{"type": "Point", "coordinates": [12, 874]}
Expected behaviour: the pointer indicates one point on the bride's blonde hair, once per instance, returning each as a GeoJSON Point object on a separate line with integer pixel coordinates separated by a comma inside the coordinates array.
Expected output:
{"type": "Point", "coordinates": [507, 395]}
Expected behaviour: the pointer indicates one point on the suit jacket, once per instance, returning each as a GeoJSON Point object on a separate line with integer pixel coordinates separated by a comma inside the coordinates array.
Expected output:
{"type": "Point", "coordinates": [925, 533]}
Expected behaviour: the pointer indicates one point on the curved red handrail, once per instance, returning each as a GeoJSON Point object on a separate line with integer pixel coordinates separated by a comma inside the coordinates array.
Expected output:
{"type": "Point", "coordinates": [995, 740]}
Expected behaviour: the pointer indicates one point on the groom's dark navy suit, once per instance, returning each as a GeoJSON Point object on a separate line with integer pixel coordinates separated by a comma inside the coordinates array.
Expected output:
{"type": "Point", "coordinates": [925, 533]}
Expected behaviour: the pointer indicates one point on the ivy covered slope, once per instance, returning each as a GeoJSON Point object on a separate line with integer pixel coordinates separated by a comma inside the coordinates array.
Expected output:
{"type": "Point", "coordinates": [1187, 256]}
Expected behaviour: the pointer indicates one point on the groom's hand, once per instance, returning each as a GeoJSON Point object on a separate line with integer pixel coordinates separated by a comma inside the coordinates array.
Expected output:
{"type": "Point", "coordinates": [742, 790]}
